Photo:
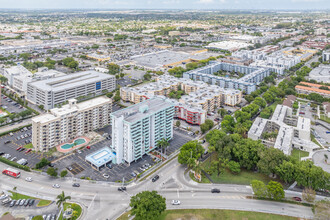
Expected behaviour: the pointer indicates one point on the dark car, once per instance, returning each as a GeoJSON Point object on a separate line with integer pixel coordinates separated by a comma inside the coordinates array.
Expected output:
{"type": "Point", "coordinates": [215, 191]}
{"type": "Point", "coordinates": [121, 189]}
{"type": "Point", "coordinates": [7, 141]}
{"type": "Point", "coordinates": [26, 202]}
{"type": "Point", "coordinates": [155, 178]}
{"type": "Point", "coordinates": [76, 185]}
{"type": "Point", "coordinates": [31, 202]}
{"type": "Point", "coordinates": [296, 198]}
{"type": "Point", "coordinates": [2, 153]}
{"type": "Point", "coordinates": [109, 165]}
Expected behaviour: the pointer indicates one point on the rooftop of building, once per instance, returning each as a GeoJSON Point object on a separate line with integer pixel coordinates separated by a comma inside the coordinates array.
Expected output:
{"type": "Point", "coordinates": [143, 109]}
{"type": "Point", "coordinates": [312, 89]}
{"type": "Point", "coordinates": [71, 80]}
{"type": "Point", "coordinates": [101, 157]}
{"type": "Point", "coordinates": [18, 70]}
{"type": "Point", "coordinates": [72, 107]}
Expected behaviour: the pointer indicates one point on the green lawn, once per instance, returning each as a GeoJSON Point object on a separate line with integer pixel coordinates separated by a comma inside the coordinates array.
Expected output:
{"type": "Point", "coordinates": [17, 196]}
{"type": "Point", "coordinates": [295, 153]}
{"type": "Point", "coordinates": [43, 203]}
{"type": "Point", "coordinates": [243, 178]}
{"type": "Point", "coordinates": [206, 214]}
{"type": "Point", "coordinates": [324, 118]}
{"type": "Point", "coordinates": [28, 146]}
{"type": "Point", "coordinates": [76, 208]}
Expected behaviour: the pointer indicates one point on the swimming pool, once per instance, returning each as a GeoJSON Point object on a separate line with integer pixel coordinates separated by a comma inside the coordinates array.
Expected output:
{"type": "Point", "coordinates": [77, 141]}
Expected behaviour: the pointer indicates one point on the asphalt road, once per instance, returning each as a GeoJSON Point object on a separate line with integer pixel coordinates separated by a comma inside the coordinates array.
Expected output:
{"type": "Point", "coordinates": [103, 201]}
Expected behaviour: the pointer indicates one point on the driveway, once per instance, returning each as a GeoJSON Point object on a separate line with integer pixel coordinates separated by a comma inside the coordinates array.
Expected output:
{"type": "Point", "coordinates": [319, 160]}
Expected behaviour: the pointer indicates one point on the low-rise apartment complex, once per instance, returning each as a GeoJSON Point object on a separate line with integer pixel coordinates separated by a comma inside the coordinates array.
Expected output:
{"type": "Point", "coordinates": [253, 76]}
{"type": "Point", "coordinates": [199, 97]}
{"type": "Point", "coordinates": [70, 121]}
{"type": "Point", "coordinates": [308, 88]}
{"type": "Point", "coordinates": [283, 131]}
{"type": "Point", "coordinates": [137, 129]}
{"type": "Point", "coordinates": [56, 91]}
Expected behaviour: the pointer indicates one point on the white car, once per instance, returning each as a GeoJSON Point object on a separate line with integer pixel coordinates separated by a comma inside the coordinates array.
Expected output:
{"type": "Point", "coordinates": [28, 179]}
{"type": "Point", "coordinates": [79, 151]}
{"type": "Point", "coordinates": [4, 196]}
{"type": "Point", "coordinates": [106, 176]}
{"type": "Point", "coordinates": [56, 185]}
{"type": "Point", "coordinates": [176, 202]}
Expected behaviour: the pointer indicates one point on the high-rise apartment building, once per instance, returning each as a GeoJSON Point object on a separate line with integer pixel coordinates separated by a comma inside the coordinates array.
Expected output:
{"type": "Point", "coordinates": [137, 129]}
{"type": "Point", "coordinates": [70, 121]}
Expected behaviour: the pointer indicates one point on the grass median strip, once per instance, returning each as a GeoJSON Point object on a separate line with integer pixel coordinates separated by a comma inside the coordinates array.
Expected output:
{"type": "Point", "coordinates": [205, 214]}
{"type": "Point", "coordinates": [41, 203]}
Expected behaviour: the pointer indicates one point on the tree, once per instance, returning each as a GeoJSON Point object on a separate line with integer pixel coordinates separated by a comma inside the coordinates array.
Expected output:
{"type": "Point", "coordinates": [275, 190]}
{"type": "Point", "coordinates": [177, 123]}
{"type": "Point", "coordinates": [38, 217]}
{"type": "Point", "coordinates": [163, 144]}
{"type": "Point", "coordinates": [315, 97]}
{"type": "Point", "coordinates": [147, 205]}
{"type": "Point", "coordinates": [234, 167]}
{"type": "Point", "coordinates": [246, 151]}
{"type": "Point", "coordinates": [286, 171]}
{"type": "Point", "coordinates": [259, 188]}
{"type": "Point", "coordinates": [113, 68]}
{"type": "Point", "coordinates": [52, 172]}
{"type": "Point", "coordinates": [325, 158]}
{"type": "Point", "coordinates": [64, 173]}
{"type": "Point", "coordinates": [147, 76]}
{"type": "Point", "coordinates": [309, 194]}
{"type": "Point", "coordinates": [322, 210]}
{"type": "Point", "coordinates": [270, 158]}
{"type": "Point", "coordinates": [219, 165]}
{"type": "Point", "coordinates": [43, 162]}
{"type": "Point", "coordinates": [228, 124]}
{"type": "Point", "coordinates": [61, 198]}
{"type": "Point", "coordinates": [222, 112]}
{"type": "Point", "coordinates": [190, 152]}
{"type": "Point", "coordinates": [260, 102]}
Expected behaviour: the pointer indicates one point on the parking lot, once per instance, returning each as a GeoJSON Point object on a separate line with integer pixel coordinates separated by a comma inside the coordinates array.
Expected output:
{"type": "Point", "coordinates": [77, 167]}
{"type": "Point", "coordinates": [18, 140]}
{"type": "Point", "coordinates": [10, 105]}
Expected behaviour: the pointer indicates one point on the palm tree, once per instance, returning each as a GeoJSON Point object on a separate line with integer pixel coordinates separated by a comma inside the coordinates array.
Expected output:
{"type": "Point", "coordinates": [326, 158]}
{"type": "Point", "coordinates": [163, 144]}
{"type": "Point", "coordinates": [61, 199]}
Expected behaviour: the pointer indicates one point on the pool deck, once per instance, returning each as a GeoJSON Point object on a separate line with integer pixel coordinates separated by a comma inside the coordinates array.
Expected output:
{"type": "Point", "coordinates": [59, 149]}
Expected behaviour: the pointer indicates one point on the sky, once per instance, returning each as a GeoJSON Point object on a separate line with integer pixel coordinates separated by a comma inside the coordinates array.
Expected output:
{"type": "Point", "coordinates": [167, 4]}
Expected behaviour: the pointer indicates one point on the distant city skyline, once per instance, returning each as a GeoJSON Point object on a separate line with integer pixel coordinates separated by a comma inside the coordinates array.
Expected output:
{"type": "Point", "coordinates": [168, 4]}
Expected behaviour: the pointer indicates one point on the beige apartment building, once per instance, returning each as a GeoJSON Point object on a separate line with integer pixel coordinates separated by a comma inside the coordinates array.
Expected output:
{"type": "Point", "coordinates": [70, 121]}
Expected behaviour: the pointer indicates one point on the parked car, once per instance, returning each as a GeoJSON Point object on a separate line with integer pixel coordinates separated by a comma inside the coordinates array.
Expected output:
{"type": "Point", "coordinates": [28, 151]}
{"type": "Point", "coordinates": [106, 176]}
{"type": "Point", "coordinates": [123, 188]}
{"type": "Point", "coordinates": [215, 190]}
{"type": "Point", "coordinates": [18, 148]}
{"type": "Point", "coordinates": [88, 147]}
{"type": "Point", "coordinates": [18, 202]}
{"type": "Point", "coordinates": [7, 141]}
{"type": "Point", "coordinates": [69, 168]}
{"type": "Point", "coordinates": [3, 196]}
{"type": "Point", "coordinates": [26, 202]}
{"type": "Point", "coordinates": [109, 165]}
{"type": "Point", "coordinates": [12, 203]}
{"type": "Point", "coordinates": [176, 202]}
{"type": "Point", "coordinates": [22, 202]}
{"type": "Point", "coordinates": [155, 178]}
{"type": "Point", "coordinates": [31, 202]}
{"type": "Point", "coordinates": [133, 174]}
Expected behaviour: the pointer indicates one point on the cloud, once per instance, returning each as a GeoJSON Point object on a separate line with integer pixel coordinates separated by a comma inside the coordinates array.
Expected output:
{"type": "Point", "coordinates": [171, 2]}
